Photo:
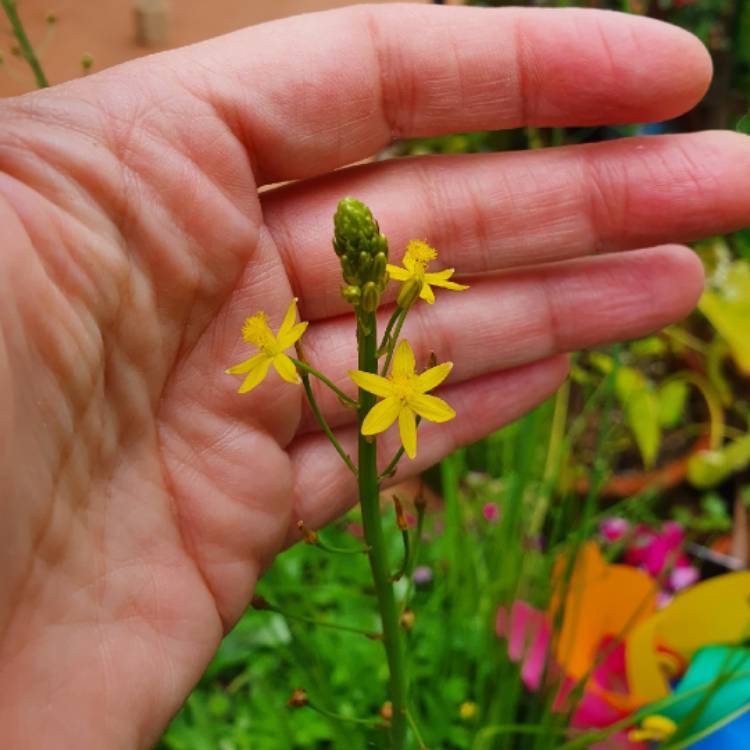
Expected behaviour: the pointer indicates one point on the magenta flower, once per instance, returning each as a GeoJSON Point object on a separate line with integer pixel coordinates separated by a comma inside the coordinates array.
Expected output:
{"type": "Point", "coordinates": [613, 529]}
{"type": "Point", "coordinates": [491, 512]}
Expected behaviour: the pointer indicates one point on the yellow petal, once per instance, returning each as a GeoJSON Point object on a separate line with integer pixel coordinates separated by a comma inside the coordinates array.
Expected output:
{"type": "Point", "coordinates": [372, 383]}
{"type": "Point", "coordinates": [431, 407]}
{"type": "Point", "coordinates": [247, 365]}
{"type": "Point", "coordinates": [255, 375]}
{"type": "Point", "coordinates": [397, 273]}
{"type": "Point", "coordinates": [440, 278]}
{"type": "Point", "coordinates": [285, 367]}
{"type": "Point", "coordinates": [381, 416]}
{"type": "Point", "coordinates": [403, 360]}
{"type": "Point", "coordinates": [427, 294]}
{"type": "Point", "coordinates": [290, 337]}
{"type": "Point", "coordinates": [289, 318]}
{"type": "Point", "coordinates": [433, 377]}
{"type": "Point", "coordinates": [407, 427]}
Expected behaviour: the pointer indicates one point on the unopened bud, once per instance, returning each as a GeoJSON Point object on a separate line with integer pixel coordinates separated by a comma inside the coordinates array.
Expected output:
{"type": "Point", "coordinates": [298, 698]}
{"type": "Point", "coordinates": [400, 516]}
{"type": "Point", "coordinates": [363, 264]}
{"type": "Point", "coordinates": [308, 536]}
{"type": "Point", "coordinates": [407, 619]}
{"type": "Point", "coordinates": [370, 297]}
{"type": "Point", "coordinates": [352, 294]}
{"type": "Point", "coordinates": [386, 711]}
{"type": "Point", "coordinates": [377, 272]}
{"type": "Point", "coordinates": [408, 293]}
{"type": "Point", "coordinates": [87, 62]}
{"type": "Point", "coordinates": [348, 271]}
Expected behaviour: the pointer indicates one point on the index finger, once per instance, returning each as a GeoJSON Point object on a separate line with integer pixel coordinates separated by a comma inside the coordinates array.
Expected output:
{"type": "Point", "coordinates": [311, 93]}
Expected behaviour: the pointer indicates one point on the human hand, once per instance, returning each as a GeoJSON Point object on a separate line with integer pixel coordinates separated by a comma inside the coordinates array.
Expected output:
{"type": "Point", "coordinates": [141, 496]}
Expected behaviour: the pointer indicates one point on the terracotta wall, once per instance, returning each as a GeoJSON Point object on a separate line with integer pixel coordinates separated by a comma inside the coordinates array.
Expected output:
{"type": "Point", "coordinates": [106, 29]}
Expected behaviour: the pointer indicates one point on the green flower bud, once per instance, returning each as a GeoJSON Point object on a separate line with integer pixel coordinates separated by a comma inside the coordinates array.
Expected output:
{"type": "Point", "coordinates": [360, 246]}
{"type": "Point", "coordinates": [364, 263]}
{"type": "Point", "coordinates": [347, 270]}
{"type": "Point", "coordinates": [377, 272]}
{"type": "Point", "coordinates": [370, 297]}
{"type": "Point", "coordinates": [408, 293]}
{"type": "Point", "coordinates": [352, 294]}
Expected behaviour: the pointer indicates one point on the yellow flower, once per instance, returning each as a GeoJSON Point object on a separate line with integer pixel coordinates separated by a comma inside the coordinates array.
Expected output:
{"type": "Point", "coordinates": [654, 728]}
{"type": "Point", "coordinates": [417, 257]}
{"type": "Point", "coordinates": [404, 397]}
{"type": "Point", "coordinates": [256, 332]}
{"type": "Point", "coordinates": [468, 711]}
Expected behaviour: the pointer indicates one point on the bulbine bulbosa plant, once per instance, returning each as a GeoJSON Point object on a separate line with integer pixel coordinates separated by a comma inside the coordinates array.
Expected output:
{"type": "Point", "coordinates": [389, 390]}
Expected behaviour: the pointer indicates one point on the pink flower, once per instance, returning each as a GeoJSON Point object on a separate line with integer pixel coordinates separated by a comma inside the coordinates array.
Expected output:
{"type": "Point", "coordinates": [422, 575]}
{"type": "Point", "coordinates": [491, 512]}
{"type": "Point", "coordinates": [654, 551]}
{"type": "Point", "coordinates": [613, 529]}
{"type": "Point", "coordinates": [682, 576]}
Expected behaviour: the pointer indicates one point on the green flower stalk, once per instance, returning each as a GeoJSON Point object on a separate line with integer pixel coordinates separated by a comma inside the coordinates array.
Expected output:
{"type": "Point", "coordinates": [364, 255]}
{"type": "Point", "coordinates": [403, 394]}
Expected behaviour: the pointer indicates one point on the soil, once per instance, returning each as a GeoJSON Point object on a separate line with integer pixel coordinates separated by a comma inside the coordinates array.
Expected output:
{"type": "Point", "coordinates": [105, 29]}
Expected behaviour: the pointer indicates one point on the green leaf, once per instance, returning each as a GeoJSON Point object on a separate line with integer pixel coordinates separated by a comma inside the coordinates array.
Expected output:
{"type": "Point", "coordinates": [642, 412]}
{"type": "Point", "coordinates": [651, 346]}
{"type": "Point", "coordinates": [727, 307]}
{"type": "Point", "coordinates": [629, 381]}
{"type": "Point", "coordinates": [707, 468]}
{"type": "Point", "coordinates": [672, 397]}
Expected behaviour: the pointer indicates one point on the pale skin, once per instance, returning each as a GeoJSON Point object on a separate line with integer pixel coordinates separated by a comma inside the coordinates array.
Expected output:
{"type": "Point", "coordinates": [141, 497]}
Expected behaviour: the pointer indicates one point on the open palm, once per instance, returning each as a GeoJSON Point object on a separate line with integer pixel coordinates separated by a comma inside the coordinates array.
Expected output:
{"type": "Point", "coordinates": [141, 497]}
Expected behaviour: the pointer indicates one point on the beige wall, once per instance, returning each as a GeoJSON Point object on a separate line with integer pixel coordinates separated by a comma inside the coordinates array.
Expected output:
{"type": "Point", "coordinates": [106, 30]}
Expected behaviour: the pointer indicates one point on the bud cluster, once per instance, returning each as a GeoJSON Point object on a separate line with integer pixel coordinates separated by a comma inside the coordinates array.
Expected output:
{"type": "Point", "coordinates": [363, 252]}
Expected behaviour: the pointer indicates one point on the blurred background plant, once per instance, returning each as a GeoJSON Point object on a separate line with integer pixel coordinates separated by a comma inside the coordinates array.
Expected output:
{"type": "Point", "coordinates": [579, 579]}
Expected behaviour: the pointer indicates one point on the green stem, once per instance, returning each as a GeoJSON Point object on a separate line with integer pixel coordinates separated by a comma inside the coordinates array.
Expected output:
{"type": "Point", "coordinates": [398, 575]}
{"type": "Point", "coordinates": [415, 729]}
{"type": "Point", "coordinates": [305, 367]}
{"type": "Point", "coordinates": [9, 6]}
{"type": "Point", "coordinates": [392, 343]}
{"type": "Point", "coordinates": [383, 348]}
{"type": "Point", "coordinates": [339, 717]}
{"type": "Point", "coordinates": [369, 497]}
{"type": "Point", "coordinates": [390, 470]}
{"type": "Point", "coordinates": [322, 420]}
{"type": "Point", "coordinates": [339, 550]}
{"type": "Point", "coordinates": [413, 557]}
{"type": "Point", "coordinates": [322, 623]}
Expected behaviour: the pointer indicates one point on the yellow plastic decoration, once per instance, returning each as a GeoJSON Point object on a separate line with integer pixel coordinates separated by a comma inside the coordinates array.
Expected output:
{"type": "Point", "coordinates": [714, 612]}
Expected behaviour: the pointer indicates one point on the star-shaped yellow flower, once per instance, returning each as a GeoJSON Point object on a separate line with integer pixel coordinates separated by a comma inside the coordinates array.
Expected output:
{"type": "Point", "coordinates": [256, 332]}
{"type": "Point", "coordinates": [418, 255]}
{"type": "Point", "coordinates": [404, 397]}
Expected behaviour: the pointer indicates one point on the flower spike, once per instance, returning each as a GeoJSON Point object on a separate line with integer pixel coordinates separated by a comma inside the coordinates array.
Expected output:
{"type": "Point", "coordinates": [256, 331]}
